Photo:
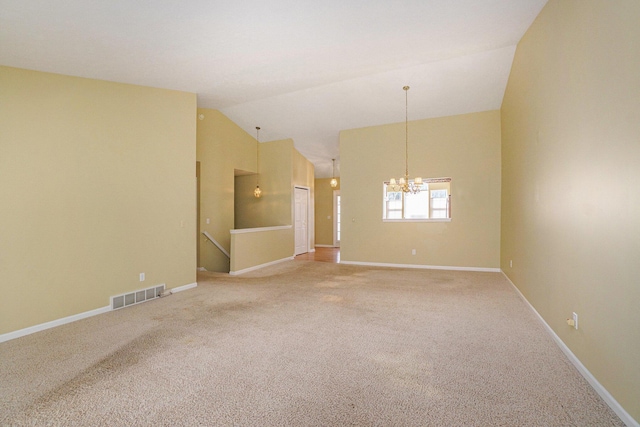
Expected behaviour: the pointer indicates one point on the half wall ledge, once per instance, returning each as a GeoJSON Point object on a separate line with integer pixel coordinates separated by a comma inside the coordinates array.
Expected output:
{"type": "Point", "coordinates": [254, 248]}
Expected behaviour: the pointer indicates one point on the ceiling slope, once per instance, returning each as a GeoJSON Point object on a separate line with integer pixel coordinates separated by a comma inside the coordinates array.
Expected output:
{"type": "Point", "coordinates": [299, 69]}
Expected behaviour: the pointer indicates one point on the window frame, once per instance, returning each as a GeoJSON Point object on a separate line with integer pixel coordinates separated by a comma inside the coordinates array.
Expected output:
{"type": "Point", "coordinates": [433, 209]}
{"type": "Point", "coordinates": [426, 182]}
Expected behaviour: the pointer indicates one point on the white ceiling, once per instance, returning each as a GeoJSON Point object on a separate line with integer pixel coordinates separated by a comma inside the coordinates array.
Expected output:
{"type": "Point", "coordinates": [299, 69]}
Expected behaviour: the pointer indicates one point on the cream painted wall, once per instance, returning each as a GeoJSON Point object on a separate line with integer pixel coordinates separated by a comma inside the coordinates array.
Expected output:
{"type": "Point", "coordinates": [303, 170]}
{"type": "Point", "coordinates": [228, 201]}
{"type": "Point", "coordinates": [260, 247]}
{"type": "Point", "coordinates": [571, 167]}
{"type": "Point", "coordinates": [222, 147]}
{"type": "Point", "coordinates": [277, 157]}
{"type": "Point", "coordinates": [245, 202]}
{"type": "Point", "coordinates": [274, 207]}
{"type": "Point", "coordinates": [465, 148]}
{"type": "Point", "coordinates": [282, 167]}
{"type": "Point", "coordinates": [278, 161]}
{"type": "Point", "coordinates": [97, 185]}
{"type": "Point", "coordinates": [324, 211]}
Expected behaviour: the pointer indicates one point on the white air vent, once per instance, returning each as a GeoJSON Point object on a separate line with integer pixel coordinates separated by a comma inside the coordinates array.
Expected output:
{"type": "Point", "coordinates": [136, 297]}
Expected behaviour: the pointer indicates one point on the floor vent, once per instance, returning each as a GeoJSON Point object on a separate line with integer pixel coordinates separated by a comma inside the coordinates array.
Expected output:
{"type": "Point", "coordinates": [136, 297]}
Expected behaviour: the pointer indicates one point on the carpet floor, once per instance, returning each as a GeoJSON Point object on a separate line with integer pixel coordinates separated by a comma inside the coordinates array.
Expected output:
{"type": "Point", "coordinates": [304, 344]}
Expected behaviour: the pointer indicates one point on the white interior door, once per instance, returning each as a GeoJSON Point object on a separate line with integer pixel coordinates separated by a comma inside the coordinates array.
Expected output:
{"type": "Point", "coordinates": [301, 220]}
{"type": "Point", "coordinates": [336, 218]}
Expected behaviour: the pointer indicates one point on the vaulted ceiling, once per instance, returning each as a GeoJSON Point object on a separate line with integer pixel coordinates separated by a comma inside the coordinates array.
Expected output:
{"type": "Point", "coordinates": [299, 69]}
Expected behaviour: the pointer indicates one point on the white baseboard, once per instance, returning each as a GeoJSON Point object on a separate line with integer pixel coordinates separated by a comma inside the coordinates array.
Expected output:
{"type": "Point", "coordinates": [202, 269]}
{"type": "Point", "coordinates": [184, 287]}
{"type": "Point", "coordinates": [425, 267]}
{"type": "Point", "coordinates": [326, 246]}
{"type": "Point", "coordinates": [599, 388]}
{"type": "Point", "coordinates": [52, 324]}
{"type": "Point", "coordinates": [258, 267]}
{"type": "Point", "coordinates": [73, 318]}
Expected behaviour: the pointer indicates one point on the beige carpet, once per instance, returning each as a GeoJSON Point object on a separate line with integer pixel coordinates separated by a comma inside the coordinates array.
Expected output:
{"type": "Point", "coordinates": [304, 344]}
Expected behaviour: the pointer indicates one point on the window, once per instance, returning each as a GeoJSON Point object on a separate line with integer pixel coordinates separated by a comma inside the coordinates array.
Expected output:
{"type": "Point", "coordinates": [438, 206]}
{"type": "Point", "coordinates": [432, 203]}
{"type": "Point", "coordinates": [393, 205]}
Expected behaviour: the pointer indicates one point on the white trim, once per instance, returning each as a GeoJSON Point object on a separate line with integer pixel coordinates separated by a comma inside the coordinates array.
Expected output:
{"type": "Point", "coordinates": [336, 242]}
{"type": "Point", "coordinates": [312, 249]}
{"type": "Point", "coordinates": [426, 267]}
{"type": "Point", "coordinates": [59, 322]}
{"type": "Point", "coordinates": [215, 242]}
{"type": "Point", "coordinates": [53, 324]}
{"type": "Point", "coordinates": [184, 287]}
{"type": "Point", "coordinates": [325, 246]}
{"type": "Point", "coordinates": [256, 230]}
{"type": "Point", "coordinates": [257, 267]}
{"type": "Point", "coordinates": [418, 220]}
{"type": "Point", "coordinates": [599, 388]}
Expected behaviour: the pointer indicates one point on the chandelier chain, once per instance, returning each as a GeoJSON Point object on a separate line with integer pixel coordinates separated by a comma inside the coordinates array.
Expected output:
{"type": "Point", "coordinates": [403, 183]}
{"type": "Point", "coordinates": [257, 155]}
{"type": "Point", "coordinates": [257, 193]}
{"type": "Point", "coordinates": [334, 181]}
{"type": "Point", "coordinates": [406, 132]}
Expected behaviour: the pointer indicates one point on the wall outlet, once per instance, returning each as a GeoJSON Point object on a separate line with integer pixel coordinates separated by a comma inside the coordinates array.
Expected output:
{"type": "Point", "coordinates": [510, 263]}
{"type": "Point", "coordinates": [575, 320]}
{"type": "Point", "coordinates": [413, 251]}
{"type": "Point", "coordinates": [142, 277]}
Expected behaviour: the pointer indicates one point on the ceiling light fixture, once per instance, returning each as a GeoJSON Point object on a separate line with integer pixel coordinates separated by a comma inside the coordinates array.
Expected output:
{"type": "Point", "coordinates": [257, 193]}
{"type": "Point", "coordinates": [334, 181]}
{"type": "Point", "coordinates": [403, 183]}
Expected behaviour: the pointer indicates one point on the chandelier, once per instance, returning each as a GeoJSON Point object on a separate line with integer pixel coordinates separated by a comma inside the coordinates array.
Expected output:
{"type": "Point", "coordinates": [334, 181]}
{"type": "Point", "coordinates": [257, 192]}
{"type": "Point", "coordinates": [403, 183]}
